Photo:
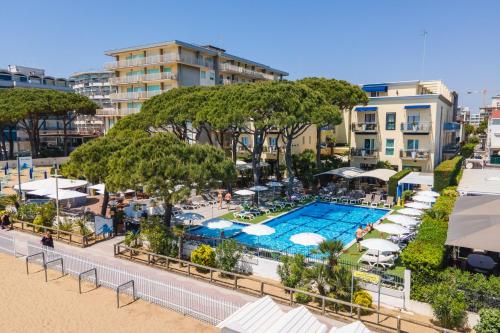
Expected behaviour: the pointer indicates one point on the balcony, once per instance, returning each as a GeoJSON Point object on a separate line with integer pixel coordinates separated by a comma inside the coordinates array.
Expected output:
{"type": "Point", "coordinates": [158, 60]}
{"type": "Point", "coordinates": [142, 78]}
{"type": "Point", "coordinates": [415, 154]}
{"type": "Point", "coordinates": [364, 153]}
{"type": "Point", "coordinates": [230, 68]}
{"type": "Point", "coordinates": [451, 127]}
{"type": "Point", "coordinates": [451, 148]}
{"type": "Point", "coordinates": [137, 95]}
{"type": "Point", "coordinates": [416, 128]}
{"type": "Point", "coordinates": [364, 128]}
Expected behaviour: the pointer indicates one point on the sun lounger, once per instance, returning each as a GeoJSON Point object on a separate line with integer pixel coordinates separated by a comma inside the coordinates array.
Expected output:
{"type": "Point", "coordinates": [389, 202]}
{"type": "Point", "coordinates": [382, 260]}
{"type": "Point", "coordinates": [244, 215]}
{"type": "Point", "coordinates": [367, 200]}
{"type": "Point", "coordinates": [264, 210]}
{"type": "Point", "coordinates": [209, 199]}
{"type": "Point", "coordinates": [376, 201]}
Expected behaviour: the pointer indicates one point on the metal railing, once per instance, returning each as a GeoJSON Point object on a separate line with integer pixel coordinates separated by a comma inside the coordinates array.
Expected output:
{"type": "Point", "coordinates": [415, 154]}
{"type": "Point", "coordinates": [226, 67]}
{"type": "Point", "coordinates": [364, 127]}
{"type": "Point", "coordinates": [7, 244]}
{"type": "Point", "coordinates": [366, 153]}
{"type": "Point", "coordinates": [159, 59]}
{"type": "Point", "coordinates": [417, 127]}
{"type": "Point", "coordinates": [136, 95]}
{"type": "Point", "coordinates": [327, 306]}
{"type": "Point", "coordinates": [142, 78]}
{"type": "Point", "coordinates": [167, 294]}
{"type": "Point", "coordinates": [59, 235]}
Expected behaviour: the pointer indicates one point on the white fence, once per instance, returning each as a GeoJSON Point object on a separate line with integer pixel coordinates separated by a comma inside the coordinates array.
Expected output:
{"type": "Point", "coordinates": [166, 294]}
{"type": "Point", "coordinates": [7, 244]}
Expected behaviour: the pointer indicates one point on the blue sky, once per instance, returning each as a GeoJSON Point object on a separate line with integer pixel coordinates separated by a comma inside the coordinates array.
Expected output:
{"type": "Point", "coordinates": [359, 41]}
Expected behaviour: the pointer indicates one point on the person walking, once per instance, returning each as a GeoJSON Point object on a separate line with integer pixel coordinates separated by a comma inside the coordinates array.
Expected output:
{"type": "Point", "coordinates": [228, 198]}
{"type": "Point", "coordinates": [47, 240]}
{"type": "Point", "coordinates": [219, 199]}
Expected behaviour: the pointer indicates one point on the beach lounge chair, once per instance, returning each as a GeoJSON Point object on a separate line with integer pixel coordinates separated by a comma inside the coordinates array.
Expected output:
{"type": "Point", "coordinates": [264, 210]}
{"type": "Point", "coordinates": [381, 260]}
{"type": "Point", "coordinates": [367, 200]}
{"type": "Point", "coordinates": [209, 199]}
{"type": "Point", "coordinates": [389, 202]}
{"type": "Point", "coordinates": [189, 205]}
{"type": "Point", "coordinates": [376, 200]}
{"type": "Point", "coordinates": [244, 215]}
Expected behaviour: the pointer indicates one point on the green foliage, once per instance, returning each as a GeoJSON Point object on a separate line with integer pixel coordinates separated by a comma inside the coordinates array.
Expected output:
{"type": "Point", "coordinates": [227, 254]}
{"type": "Point", "coordinates": [450, 191]}
{"type": "Point", "coordinates": [446, 173]}
{"type": "Point", "coordinates": [467, 150]}
{"type": "Point", "coordinates": [406, 195]}
{"type": "Point", "coordinates": [483, 126]}
{"type": "Point", "coordinates": [448, 305]}
{"type": "Point", "coordinates": [473, 140]}
{"type": "Point", "coordinates": [160, 241]}
{"type": "Point", "coordinates": [489, 321]}
{"type": "Point", "coordinates": [66, 226]}
{"type": "Point", "coordinates": [27, 212]}
{"type": "Point", "coordinates": [203, 255]}
{"type": "Point", "coordinates": [47, 211]}
{"type": "Point", "coordinates": [393, 181]}
{"type": "Point", "coordinates": [131, 239]}
{"type": "Point", "coordinates": [302, 298]}
{"type": "Point", "coordinates": [82, 227]}
{"type": "Point", "coordinates": [304, 165]}
{"type": "Point", "coordinates": [469, 129]}
{"type": "Point", "coordinates": [330, 250]}
{"type": "Point", "coordinates": [363, 298]}
{"type": "Point", "coordinates": [383, 165]}
{"type": "Point", "coordinates": [291, 270]}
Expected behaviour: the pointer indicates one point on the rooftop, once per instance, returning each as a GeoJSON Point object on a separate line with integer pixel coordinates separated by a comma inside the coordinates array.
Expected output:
{"type": "Point", "coordinates": [495, 114]}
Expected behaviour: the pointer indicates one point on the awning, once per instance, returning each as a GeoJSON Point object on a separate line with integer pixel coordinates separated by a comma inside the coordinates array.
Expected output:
{"type": "Point", "coordinates": [62, 194]}
{"type": "Point", "coordinates": [418, 178]}
{"type": "Point", "coordinates": [375, 87]}
{"type": "Point", "coordinates": [382, 174]}
{"type": "Point", "coordinates": [420, 106]}
{"type": "Point", "coordinates": [346, 172]}
{"type": "Point", "coordinates": [366, 108]}
{"type": "Point", "coordinates": [50, 184]}
{"type": "Point", "coordinates": [480, 182]}
{"type": "Point", "coordinates": [475, 223]}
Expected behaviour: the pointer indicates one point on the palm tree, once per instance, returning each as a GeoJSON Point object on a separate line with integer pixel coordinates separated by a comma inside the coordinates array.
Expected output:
{"type": "Point", "coordinates": [179, 231]}
{"type": "Point", "coordinates": [318, 276]}
{"type": "Point", "coordinates": [331, 249]}
{"type": "Point", "coordinates": [9, 200]}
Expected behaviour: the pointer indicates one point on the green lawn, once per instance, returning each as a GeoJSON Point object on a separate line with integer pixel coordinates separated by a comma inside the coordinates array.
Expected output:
{"type": "Point", "coordinates": [258, 219]}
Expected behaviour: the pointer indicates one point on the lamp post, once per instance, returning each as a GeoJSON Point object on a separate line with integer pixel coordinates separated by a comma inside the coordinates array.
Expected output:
{"type": "Point", "coordinates": [57, 193]}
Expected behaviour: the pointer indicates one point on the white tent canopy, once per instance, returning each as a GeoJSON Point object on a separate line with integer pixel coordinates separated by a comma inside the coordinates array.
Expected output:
{"type": "Point", "coordinates": [62, 194]}
{"type": "Point", "coordinates": [382, 174]}
{"type": "Point", "coordinates": [346, 172]}
{"type": "Point", "coordinates": [418, 178]}
{"type": "Point", "coordinates": [264, 315]}
{"type": "Point", "coordinates": [356, 327]}
{"type": "Point", "coordinates": [49, 184]}
{"type": "Point", "coordinates": [480, 182]}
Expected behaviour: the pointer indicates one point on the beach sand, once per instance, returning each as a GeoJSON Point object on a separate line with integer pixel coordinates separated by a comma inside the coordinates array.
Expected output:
{"type": "Point", "coordinates": [28, 304]}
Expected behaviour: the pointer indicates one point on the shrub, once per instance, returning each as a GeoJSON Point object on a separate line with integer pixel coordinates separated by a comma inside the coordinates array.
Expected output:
{"type": "Point", "coordinates": [82, 227]}
{"type": "Point", "coordinates": [393, 181]}
{"type": "Point", "coordinates": [227, 254]}
{"type": "Point", "coordinates": [406, 195]}
{"type": "Point", "coordinates": [291, 270]}
{"type": "Point", "coordinates": [160, 241]}
{"type": "Point", "coordinates": [489, 321]}
{"type": "Point", "coordinates": [448, 305]}
{"type": "Point", "coordinates": [363, 298]}
{"type": "Point", "coordinates": [473, 140]}
{"type": "Point", "coordinates": [65, 226]}
{"type": "Point", "coordinates": [467, 150]}
{"type": "Point", "coordinates": [27, 212]}
{"type": "Point", "coordinates": [302, 298]}
{"type": "Point", "coordinates": [446, 173]}
{"type": "Point", "coordinates": [203, 255]}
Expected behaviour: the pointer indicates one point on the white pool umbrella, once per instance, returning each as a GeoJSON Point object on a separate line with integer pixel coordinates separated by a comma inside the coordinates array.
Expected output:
{"type": "Point", "coordinates": [307, 239]}
{"type": "Point", "coordinates": [274, 184]}
{"type": "Point", "coordinates": [428, 193]}
{"type": "Point", "coordinates": [391, 228]}
{"type": "Point", "coordinates": [190, 217]}
{"type": "Point", "coordinates": [417, 205]}
{"type": "Point", "coordinates": [379, 244]}
{"type": "Point", "coordinates": [219, 224]}
{"type": "Point", "coordinates": [410, 211]}
{"type": "Point", "coordinates": [423, 198]}
{"type": "Point", "coordinates": [258, 230]}
{"type": "Point", "coordinates": [244, 192]}
{"type": "Point", "coordinates": [258, 188]}
{"type": "Point", "coordinates": [404, 220]}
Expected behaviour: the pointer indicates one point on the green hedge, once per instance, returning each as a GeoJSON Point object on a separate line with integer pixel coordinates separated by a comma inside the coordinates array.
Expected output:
{"type": "Point", "coordinates": [393, 181]}
{"type": "Point", "coordinates": [446, 173]}
{"type": "Point", "coordinates": [467, 150]}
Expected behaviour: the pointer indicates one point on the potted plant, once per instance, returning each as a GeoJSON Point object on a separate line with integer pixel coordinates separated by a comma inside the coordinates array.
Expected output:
{"type": "Point", "coordinates": [413, 154]}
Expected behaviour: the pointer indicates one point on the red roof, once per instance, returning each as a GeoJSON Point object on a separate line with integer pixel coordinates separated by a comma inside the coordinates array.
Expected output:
{"type": "Point", "coordinates": [495, 114]}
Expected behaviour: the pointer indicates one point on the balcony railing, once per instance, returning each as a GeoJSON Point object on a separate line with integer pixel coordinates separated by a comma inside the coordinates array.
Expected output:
{"type": "Point", "coordinates": [226, 67]}
{"type": "Point", "coordinates": [451, 148]}
{"type": "Point", "coordinates": [159, 59]}
{"type": "Point", "coordinates": [415, 154]}
{"type": "Point", "coordinates": [137, 95]}
{"type": "Point", "coordinates": [416, 128]}
{"type": "Point", "coordinates": [142, 78]}
{"type": "Point", "coordinates": [365, 153]}
{"type": "Point", "coordinates": [364, 127]}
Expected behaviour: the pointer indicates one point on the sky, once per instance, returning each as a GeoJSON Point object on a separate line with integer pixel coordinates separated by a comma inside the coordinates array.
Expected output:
{"type": "Point", "coordinates": [358, 41]}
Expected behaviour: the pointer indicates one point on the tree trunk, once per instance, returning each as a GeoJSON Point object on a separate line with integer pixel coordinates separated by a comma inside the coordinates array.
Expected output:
{"type": "Point", "coordinates": [234, 146]}
{"type": "Point", "coordinates": [277, 169]}
{"type": "Point", "coordinates": [11, 143]}
{"type": "Point", "coordinates": [167, 217]}
{"type": "Point", "coordinates": [65, 135]}
{"type": "Point", "coordinates": [4, 147]}
{"type": "Point", "coordinates": [180, 243]}
{"type": "Point", "coordinates": [289, 163]}
{"type": "Point", "coordinates": [105, 201]}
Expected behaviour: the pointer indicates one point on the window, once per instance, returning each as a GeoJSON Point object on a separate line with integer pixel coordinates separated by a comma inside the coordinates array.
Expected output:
{"type": "Point", "coordinates": [412, 144]}
{"type": "Point", "coordinates": [303, 140]}
{"type": "Point", "coordinates": [244, 141]}
{"type": "Point", "coordinates": [370, 118]}
{"type": "Point", "coordinates": [389, 147]}
{"type": "Point", "coordinates": [374, 94]}
{"type": "Point", "coordinates": [413, 118]}
{"type": "Point", "coordinates": [369, 144]}
{"type": "Point", "coordinates": [272, 142]}
{"type": "Point", "coordinates": [390, 121]}
{"type": "Point", "coordinates": [309, 139]}
{"type": "Point", "coordinates": [203, 74]}
{"type": "Point", "coordinates": [167, 70]}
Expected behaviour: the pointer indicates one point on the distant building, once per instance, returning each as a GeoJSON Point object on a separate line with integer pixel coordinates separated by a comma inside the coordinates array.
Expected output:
{"type": "Point", "coordinates": [142, 72]}
{"type": "Point", "coordinates": [475, 119]}
{"type": "Point", "coordinates": [96, 86]}
{"type": "Point", "coordinates": [493, 138]}
{"type": "Point", "coordinates": [411, 125]}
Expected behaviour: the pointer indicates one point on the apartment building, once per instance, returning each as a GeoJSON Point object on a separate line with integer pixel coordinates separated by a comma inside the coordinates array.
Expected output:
{"type": "Point", "coordinates": [18, 77]}
{"type": "Point", "coordinates": [141, 72]}
{"type": "Point", "coordinates": [475, 119]}
{"type": "Point", "coordinates": [96, 86]}
{"type": "Point", "coordinates": [409, 124]}
{"type": "Point", "coordinates": [493, 137]}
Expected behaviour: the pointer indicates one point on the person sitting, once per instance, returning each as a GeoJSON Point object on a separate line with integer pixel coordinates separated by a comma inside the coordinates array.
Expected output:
{"type": "Point", "coordinates": [5, 221]}
{"type": "Point", "coordinates": [359, 236]}
{"type": "Point", "coordinates": [47, 240]}
{"type": "Point", "coordinates": [368, 228]}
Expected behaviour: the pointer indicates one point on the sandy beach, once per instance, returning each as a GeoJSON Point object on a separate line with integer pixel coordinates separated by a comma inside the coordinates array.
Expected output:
{"type": "Point", "coordinates": [28, 304]}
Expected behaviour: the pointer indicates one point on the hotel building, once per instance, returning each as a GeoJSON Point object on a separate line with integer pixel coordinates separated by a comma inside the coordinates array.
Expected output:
{"type": "Point", "coordinates": [408, 124]}
{"type": "Point", "coordinates": [493, 138]}
{"type": "Point", "coordinates": [141, 72]}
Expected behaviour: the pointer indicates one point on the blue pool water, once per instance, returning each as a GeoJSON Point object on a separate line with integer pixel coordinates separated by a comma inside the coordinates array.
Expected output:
{"type": "Point", "coordinates": [332, 221]}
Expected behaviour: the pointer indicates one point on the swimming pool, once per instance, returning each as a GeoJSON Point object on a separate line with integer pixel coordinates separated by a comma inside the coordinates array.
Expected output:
{"type": "Point", "coordinates": [332, 221]}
